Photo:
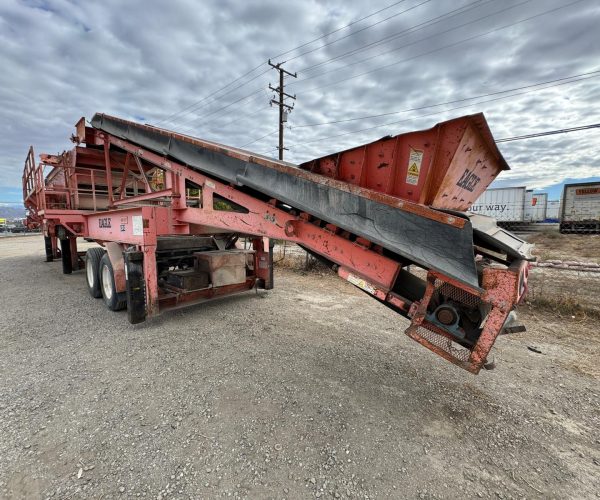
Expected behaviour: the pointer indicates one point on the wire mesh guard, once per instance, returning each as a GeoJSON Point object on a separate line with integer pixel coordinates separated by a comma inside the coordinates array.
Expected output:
{"type": "Point", "coordinates": [440, 342]}
{"type": "Point", "coordinates": [455, 350]}
{"type": "Point", "coordinates": [457, 294]}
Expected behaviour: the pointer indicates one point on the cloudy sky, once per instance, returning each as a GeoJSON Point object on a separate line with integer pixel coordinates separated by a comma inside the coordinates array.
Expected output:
{"type": "Point", "coordinates": [200, 67]}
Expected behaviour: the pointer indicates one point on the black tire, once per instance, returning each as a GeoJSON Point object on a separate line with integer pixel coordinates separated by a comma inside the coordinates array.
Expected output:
{"type": "Point", "coordinates": [65, 255]}
{"type": "Point", "coordinates": [114, 301]}
{"type": "Point", "coordinates": [92, 270]}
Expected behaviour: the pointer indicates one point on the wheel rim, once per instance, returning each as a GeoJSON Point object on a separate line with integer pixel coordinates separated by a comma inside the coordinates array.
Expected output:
{"type": "Point", "coordinates": [106, 282]}
{"type": "Point", "coordinates": [89, 269]}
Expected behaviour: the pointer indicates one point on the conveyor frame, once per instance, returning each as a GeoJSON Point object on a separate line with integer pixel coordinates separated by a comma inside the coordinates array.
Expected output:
{"type": "Point", "coordinates": [129, 187]}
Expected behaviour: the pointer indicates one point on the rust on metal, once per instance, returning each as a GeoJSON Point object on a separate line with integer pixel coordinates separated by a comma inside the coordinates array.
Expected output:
{"type": "Point", "coordinates": [447, 166]}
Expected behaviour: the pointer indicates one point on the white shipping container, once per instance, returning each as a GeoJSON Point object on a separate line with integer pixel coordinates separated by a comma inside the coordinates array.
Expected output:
{"type": "Point", "coordinates": [552, 210]}
{"type": "Point", "coordinates": [503, 204]}
{"type": "Point", "coordinates": [535, 206]}
{"type": "Point", "coordinates": [581, 202]}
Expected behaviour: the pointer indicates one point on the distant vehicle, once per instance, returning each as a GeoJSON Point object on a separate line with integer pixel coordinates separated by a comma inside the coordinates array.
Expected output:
{"type": "Point", "coordinates": [552, 211]}
{"type": "Point", "coordinates": [580, 211]}
{"type": "Point", "coordinates": [512, 206]}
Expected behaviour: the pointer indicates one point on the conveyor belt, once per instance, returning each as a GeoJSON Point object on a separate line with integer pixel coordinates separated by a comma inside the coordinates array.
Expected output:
{"type": "Point", "coordinates": [419, 239]}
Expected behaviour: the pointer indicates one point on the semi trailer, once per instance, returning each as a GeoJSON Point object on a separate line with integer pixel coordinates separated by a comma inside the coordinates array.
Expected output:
{"type": "Point", "coordinates": [512, 207]}
{"type": "Point", "coordinates": [580, 208]}
{"type": "Point", "coordinates": [391, 217]}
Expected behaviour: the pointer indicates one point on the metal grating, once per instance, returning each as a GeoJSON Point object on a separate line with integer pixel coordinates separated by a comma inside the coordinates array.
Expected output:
{"type": "Point", "coordinates": [455, 350]}
{"type": "Point", "coordinates": [457, 294]}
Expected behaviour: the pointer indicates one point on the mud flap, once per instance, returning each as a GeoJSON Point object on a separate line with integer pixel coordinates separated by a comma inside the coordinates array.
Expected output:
{"type": "Point", "coordinates": [263, 262]}
{"type": "Point", "coordinates": [65, 251]}
{"type": "Point", "coordinates": [135, 287]}
{"type": "Point", "coordinates": [48, 247]}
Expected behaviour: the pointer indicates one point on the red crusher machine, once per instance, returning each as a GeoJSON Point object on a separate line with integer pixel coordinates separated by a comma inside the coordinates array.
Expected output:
{"type": "Point", "coordinates": [170, 211]}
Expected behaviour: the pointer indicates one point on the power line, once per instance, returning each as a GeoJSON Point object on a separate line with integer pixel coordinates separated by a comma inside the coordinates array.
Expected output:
{"type": "Point", "coordinates": [197, 118]}
{"type": "Point", "coordinates": [424, 24]}
{"type": "Point", "coordinates": [264, 95]}
{"type": "Point", "coordinates": [217, 98]}
{"type": "Point", "coordinates": [338, 29]}
{"type": "Point", "coordinates": [167, 119]}
{"type": "Point", "coordinates": [188, 109]}
{"type": "Point", "coordinates": [337, 82]}
{"type": "Point", "coordinates": [267, 151]}
{"type": "Point", "coordinates": [377, 69]}
{"type": "Point", "coordinates": [437, 112]}
{"type": "Point", "coordinates": [509, 139]}
{"type": "Point", "coordinates": [224, 107]}
{"type": "Point", "coordinates": [251, 111]}
{"type": "Point", "coordinates": [302, 54]}
{"type": "Point", "coordinates": [358, 31]}
{"type": "Point", "coordinates": [354, 63]}
{"type": "Point", "coordinates": [549, 132]}
{"type": "Point", "coordinates": [259, 139]}
{"type": "Point", "coordinates": [192, 107]}
{"type": "Point", "coordinates": [447, 102]}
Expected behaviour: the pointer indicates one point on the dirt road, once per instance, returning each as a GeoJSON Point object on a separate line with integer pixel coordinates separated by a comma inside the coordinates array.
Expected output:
{"type": "Point", "coordinates": [313, 391]}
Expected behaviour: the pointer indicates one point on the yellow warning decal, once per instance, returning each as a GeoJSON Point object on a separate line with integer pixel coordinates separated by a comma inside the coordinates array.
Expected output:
{"type": "Point", "coordinates": [360, 283]}
{"type": "Point", "coordinates": [415, 158]}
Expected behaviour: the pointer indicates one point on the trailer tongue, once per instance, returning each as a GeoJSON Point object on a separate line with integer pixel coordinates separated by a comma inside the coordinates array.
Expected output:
{"type": "Point", "coordinates": [169, 209]}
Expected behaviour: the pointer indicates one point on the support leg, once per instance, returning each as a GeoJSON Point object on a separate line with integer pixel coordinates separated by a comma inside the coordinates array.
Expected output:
{"type": "Point", "coordinates": [151, 281]}
{"type": "Point", "coordinates": [263, 262]}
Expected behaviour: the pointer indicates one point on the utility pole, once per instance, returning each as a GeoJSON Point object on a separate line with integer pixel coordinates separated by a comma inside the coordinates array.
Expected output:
{"type": "Point", "coordinates": [283, 107]}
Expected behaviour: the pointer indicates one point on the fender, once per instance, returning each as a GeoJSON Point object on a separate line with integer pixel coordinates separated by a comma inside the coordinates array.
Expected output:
{"type": "Point", "coordinates": [115, 254]}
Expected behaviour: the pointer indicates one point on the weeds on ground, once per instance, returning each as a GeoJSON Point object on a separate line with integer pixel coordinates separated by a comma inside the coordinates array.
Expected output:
{"type": "Point", "coordinates": [560, 303]}
{"type": "Point", "coordinates": [553, 245]}
{"type": "Point", "coordinates": [565, 299]}
{"type": "Point", "coordinates": [564, 306]}
{"type": "Point", "coordinates": [301, 263]}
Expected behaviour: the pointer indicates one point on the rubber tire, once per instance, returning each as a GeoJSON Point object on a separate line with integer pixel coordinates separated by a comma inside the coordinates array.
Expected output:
{"type": "Point", "coordinates": [117, 301]}
{"type": "Point", "coordinates": [94, 256]}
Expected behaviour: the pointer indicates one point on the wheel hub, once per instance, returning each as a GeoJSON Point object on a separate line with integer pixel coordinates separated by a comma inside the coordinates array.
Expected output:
{"type": "Point", "coordinates": [106, 282]}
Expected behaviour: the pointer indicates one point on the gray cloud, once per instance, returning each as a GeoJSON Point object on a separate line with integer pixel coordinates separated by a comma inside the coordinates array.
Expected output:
{"type": "Point", "coordinates": [145, 60]}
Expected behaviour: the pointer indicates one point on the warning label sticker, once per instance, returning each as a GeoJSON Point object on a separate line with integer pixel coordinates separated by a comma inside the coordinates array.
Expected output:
{"type": "Point", "coordinates": [415, 159]}
{"type": "Point", "coordinates": [138, 225]}
{"type": "Point", "coordinates": [360, 283]}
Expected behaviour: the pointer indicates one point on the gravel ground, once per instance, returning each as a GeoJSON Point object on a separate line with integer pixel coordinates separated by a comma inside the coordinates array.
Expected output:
{"type": "Point", "coordinates": [311, 391]}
